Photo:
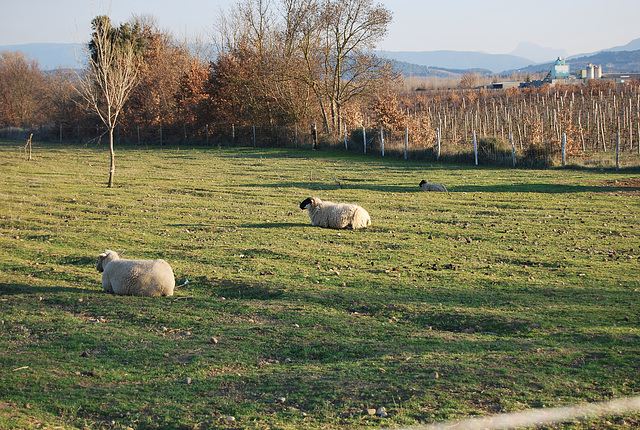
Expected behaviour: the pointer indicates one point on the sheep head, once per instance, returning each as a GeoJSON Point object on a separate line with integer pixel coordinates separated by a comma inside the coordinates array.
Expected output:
{"type": "Point", "coordinates": [308, 202]}
{"type": "Point", "coordinates": [109, 256]}
{"type": "Point", "coordinates": [422, 183]}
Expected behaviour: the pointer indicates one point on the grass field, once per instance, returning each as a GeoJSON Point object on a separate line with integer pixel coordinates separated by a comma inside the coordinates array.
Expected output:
{"type": "Point", "coordinates": [517, 290]}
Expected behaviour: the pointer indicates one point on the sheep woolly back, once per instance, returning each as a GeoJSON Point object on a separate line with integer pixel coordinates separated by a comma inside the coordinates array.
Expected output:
{"type": "Point", "coordinates": [426, 186]}
{"type": "Point", "coordinates": [336, 215]}
{"type": "Point", "coordinates": [145, 278]}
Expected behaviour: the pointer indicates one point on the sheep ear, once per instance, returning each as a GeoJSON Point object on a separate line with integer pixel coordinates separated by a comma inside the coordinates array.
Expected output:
{"type": "Point", "coordinates": [104, 254]}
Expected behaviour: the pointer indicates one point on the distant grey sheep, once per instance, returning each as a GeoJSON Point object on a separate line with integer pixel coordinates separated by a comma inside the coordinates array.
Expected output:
{"type": "Point", "coordinates": [145, 278]}
{"type": "Point", "coordinates": [335, 215]}
{"type": "Point", "coordinates": [426, 186]}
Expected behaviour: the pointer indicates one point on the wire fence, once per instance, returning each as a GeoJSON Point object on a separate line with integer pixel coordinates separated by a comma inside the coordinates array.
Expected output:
{"type": "Point", "coordinates": [481, 148]}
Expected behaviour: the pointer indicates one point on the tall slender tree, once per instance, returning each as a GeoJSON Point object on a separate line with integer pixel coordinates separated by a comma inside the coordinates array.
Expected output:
{"type": "Point", "coordinates": [112, 73]}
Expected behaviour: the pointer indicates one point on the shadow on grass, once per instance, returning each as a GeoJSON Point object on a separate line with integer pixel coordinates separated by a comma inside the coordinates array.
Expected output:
{"type": "Point", "coordinates": [19, 289]}
{"type": "Point", "coordinates": [541, 188]}
{"type": "Point", "coordinates": [275, 225]}
{"type": "Point", "coordinates": [549, 188]}
{"type": "Point", "coordinates": [233, 289]}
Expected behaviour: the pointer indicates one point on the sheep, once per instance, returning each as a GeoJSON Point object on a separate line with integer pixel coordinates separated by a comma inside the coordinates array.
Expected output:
{"type": "Point", "coordinates": [426, 186]}
{"type": "Point", "coordinates": [335, 215]}
{"type": "Point", "coordinates": [144, 278]}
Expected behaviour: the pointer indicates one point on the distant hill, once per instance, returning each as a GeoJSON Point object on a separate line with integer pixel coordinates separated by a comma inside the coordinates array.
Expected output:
{"type": "Point", "coordinates": [410, 69]}
{"type": "Point", "coordinates": [49, 55]}
{"type": "Point", "coordinates": [461, 60]}
{"type": "Point", "coordinates": [622, 59]}
{"type": "Point", "coordinates": [611, 62]}
{"type": "Point", "coordinates": [538, 54]}
{"type": "Point", "coordinates": [634, 45]}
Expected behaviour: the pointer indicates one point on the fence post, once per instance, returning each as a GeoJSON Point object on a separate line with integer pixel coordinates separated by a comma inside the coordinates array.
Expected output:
{"type": "Point", "coordinates": [138, 135]}
{"type": "Point", "coordinates": [295, 134]}
{"type": "Point", "coordinates": [206, 130]}
{"type": "Point", "coordinates": [564, 149]}
{"type": "Point", "coordinates": [475, 146]}
{"type": "Point", "coordinates": [160, 135]}
{"type": "Point", "coordinates": [346, 146]}
{"type": "Point", "coordinates": [254, 136]}
{"type": "Point", "coordinates": [382, 140]}
{"type": "Point", "coordinates": [406, 142]}
{"type": "Point", "coordinates": [364, 137]}
{"type": "Point", "coordinates": [617, 150]}
{"type": "Point", "coordinates": [60, 132]}
{"type": "Point", "coordinates": [438, 139]}
{"type": "Point", "coordinates": [233, 134]}
{"type": "Point", "coordinates": [513, 149]}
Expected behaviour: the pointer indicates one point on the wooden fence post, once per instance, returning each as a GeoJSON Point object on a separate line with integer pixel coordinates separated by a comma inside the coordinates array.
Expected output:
{"type": "Point", "coordinates": [346, 146]}
{"type": "Point", "coordinates": [406, 142]}
{"type": "Point", "coordinates": [617, 150]}
{"type": "Point", "coordinates": [382, 140]}
{"type": "Point", "coordinates": [254, 136]}
{"type": "Point", "coordinates": [438, 139]}
{"type": "Point", "coordinates": [475, 146]}
{"type": "Point", "coordinates": [513, 149]}
{"type": "Point", "coordinates": [364, 137]}
{"type": "Point", "coordinates": [564, 149]}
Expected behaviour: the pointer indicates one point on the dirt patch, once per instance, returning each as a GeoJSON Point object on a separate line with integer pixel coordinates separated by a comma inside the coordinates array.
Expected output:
{"type": "Point", "coordinates": [624, 186]}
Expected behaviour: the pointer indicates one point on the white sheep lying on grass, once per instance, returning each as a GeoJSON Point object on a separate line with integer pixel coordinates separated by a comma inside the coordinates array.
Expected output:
{"type": "Point", "coordinates": [335, 215]}
{"type": "Point", "coordinates": [147, 278]}
{"type": "Point", "coordinates": [426, 186]}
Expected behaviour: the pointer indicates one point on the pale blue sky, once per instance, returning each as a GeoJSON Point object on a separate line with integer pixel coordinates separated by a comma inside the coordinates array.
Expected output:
{"type": "Point", "coordinates": [493, 26]}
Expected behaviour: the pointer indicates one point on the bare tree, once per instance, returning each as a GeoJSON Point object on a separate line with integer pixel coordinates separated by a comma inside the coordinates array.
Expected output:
{"type": "Point", "coordinates": [114, 64]}
{"type": "Point", "coordinates": [352, 28]}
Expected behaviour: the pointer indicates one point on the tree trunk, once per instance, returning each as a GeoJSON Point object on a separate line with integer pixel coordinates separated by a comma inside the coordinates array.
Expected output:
{"type": "Point", "coordinates": [112, 168]}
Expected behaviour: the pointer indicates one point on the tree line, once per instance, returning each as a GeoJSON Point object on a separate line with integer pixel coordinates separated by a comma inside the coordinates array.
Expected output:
{"type": "Point", "coordinates": [272, 62]}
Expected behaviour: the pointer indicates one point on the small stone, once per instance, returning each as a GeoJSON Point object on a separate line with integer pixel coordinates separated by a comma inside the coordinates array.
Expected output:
{"type": "Point", "coordinates": [187, 380]}
{"type": "Point", "coordinates": [382, 412]}
{"type": "Point", "coordinates": [230, 419]}
{"type": "Point", "coordinates": [371, 411]}
{"type": "Point", "coordinates": [434, 375]}
{"type": "Point", "coordinates": [214, 340]}
{"type": "Point", "coordinates": [281, 399]}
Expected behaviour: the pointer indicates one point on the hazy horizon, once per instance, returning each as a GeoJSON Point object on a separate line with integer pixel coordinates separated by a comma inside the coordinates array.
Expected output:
{"type": "Point", "coordinates": [492, 26]}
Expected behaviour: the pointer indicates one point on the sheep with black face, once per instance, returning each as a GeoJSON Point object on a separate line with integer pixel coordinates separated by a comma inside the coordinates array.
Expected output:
{"type": "Point", "coordinates": [426, 186]}
{"type": "Point", "coordinates": [335, 215]}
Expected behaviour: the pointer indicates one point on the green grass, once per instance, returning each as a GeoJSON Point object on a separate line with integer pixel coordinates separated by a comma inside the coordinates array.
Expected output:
{"type": "Point", "coordinates": [520, 288]}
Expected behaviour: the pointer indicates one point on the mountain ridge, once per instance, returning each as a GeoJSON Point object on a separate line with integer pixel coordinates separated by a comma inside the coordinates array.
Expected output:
{"type": "Point", "coordinates": [64, 55]}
